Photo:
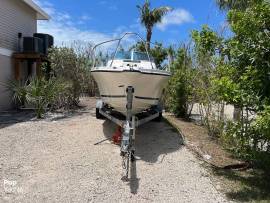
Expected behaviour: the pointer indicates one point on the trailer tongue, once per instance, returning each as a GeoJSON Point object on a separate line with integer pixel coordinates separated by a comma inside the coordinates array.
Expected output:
{"type": "Point", "coordinates": [128, 126]}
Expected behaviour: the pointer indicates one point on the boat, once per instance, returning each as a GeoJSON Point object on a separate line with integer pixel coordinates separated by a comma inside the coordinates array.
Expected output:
{"type": "Point", "coordinates": [130, 68]}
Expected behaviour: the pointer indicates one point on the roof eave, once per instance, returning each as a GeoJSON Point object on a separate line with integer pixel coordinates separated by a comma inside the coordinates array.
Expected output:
{"type": "Point", "coordinates": [41, 14]}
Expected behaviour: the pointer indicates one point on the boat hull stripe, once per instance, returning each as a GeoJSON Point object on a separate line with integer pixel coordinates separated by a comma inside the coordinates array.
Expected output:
{"type": "Point", "coordinates": [146, 98]}
{"type": "Point", "coordinates": [122, 96]}
{"type": "Point", "coordinates": [113, 96]}
{"type": "Point", "coordinates": [131, 71]}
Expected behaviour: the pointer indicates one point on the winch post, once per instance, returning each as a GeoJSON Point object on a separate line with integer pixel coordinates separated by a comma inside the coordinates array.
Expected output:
{"type": "Point", "coordinates": [127, 149]}
{"type": "Point", "coordinates": [130, 91]}
{"type": "Point", "coordinates": [127, 128]}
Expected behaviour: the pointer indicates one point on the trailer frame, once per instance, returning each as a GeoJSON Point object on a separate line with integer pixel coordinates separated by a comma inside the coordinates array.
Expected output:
{"type": "Point", "coordinates": [128, 125]}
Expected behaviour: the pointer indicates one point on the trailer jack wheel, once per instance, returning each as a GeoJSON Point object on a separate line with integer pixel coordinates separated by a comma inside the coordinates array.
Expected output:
{"type": "Point", "coordinates": [132, 156]}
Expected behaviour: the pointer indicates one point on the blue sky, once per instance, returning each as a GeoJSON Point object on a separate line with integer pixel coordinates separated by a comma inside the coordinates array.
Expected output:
{"type": "Point", "coordinates": [98, 20]}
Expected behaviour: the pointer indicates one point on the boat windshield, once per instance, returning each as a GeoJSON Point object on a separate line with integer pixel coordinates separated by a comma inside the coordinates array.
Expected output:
{"type": "Point", "coordinates": [140, 56]}
{"type": "Point", "coordinates": [129, 55]}
{"type": "Point", "coordinates": [122, 55]}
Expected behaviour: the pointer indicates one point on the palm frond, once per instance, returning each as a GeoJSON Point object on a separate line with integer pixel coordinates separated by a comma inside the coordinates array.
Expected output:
{"type": "Point", "coordinates": [19, 91]}
{"type": "Point", "coordinates": [158, 13]}
{"type": "Point", "coordinates": [150, 17]}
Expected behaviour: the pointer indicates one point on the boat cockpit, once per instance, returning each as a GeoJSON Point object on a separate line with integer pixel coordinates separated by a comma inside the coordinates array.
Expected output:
{"type": "Point", "coordinates": [131, 59]}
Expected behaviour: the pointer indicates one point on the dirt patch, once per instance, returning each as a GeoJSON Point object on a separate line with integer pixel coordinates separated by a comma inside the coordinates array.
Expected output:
{"type": "Point", "coordinates": [208, 148]}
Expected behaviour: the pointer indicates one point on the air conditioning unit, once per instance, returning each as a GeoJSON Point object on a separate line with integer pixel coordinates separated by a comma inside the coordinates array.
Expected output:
{"type": "Point", "coordinates": [47, 41]}
{"type": "Point", "coordinates": [32, 45]}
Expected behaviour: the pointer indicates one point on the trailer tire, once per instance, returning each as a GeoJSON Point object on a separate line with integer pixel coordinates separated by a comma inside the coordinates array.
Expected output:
{"type": "Point", "coordinates": [99, 115]}
{"type": "Point", "coordinates": [159, 118]}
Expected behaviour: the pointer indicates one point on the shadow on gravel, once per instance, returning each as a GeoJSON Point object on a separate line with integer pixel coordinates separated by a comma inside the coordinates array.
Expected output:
{"type": "Point", "coordinates": [134, 180]}
{"type": "Point", "coordinates": [12, 117]}
{"type": "Point", "coordinates": [154, 140]}
{"type": "Point", "coordinates": [86, 106]}
{"type": "Point", "coordinates": [247, 186]}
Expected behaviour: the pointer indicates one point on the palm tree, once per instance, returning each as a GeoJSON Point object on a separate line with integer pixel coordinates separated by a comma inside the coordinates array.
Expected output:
{"type": "Point", "coordinates": [149, 17]}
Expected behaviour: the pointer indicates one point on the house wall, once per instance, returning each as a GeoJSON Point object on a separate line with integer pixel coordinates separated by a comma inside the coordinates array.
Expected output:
{"type": "Point", "coordinates": [6, 72]}
{"type": "Point", "coordinates": [15, 17]}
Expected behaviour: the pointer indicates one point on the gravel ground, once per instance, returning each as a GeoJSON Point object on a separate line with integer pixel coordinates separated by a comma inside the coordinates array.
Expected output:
{"type": "Point", "coordinates": [56, 161]}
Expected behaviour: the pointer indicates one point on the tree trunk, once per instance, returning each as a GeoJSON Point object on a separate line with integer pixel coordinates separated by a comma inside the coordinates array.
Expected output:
{"type": "Point", "coordinates": [236, 114]}
{"type": "Point", "coordinates": [148, 38]}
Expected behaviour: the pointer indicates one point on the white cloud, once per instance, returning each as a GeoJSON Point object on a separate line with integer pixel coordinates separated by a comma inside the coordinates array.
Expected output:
{"type": "Point", "coordinates": [67, 29]}
{"type": "Point", "coordinates": [175, 17]}
{"type": "Point", "coordinates": [66, 33]}
{"type": "Point", "coordinates": [85, 17]}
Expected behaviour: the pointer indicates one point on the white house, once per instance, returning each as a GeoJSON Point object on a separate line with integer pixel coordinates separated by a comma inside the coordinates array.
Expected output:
{"type": "Point", "coordinates": [16, 16]}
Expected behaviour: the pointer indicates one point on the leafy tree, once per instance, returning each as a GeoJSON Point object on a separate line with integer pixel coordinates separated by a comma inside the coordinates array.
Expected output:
{"type": "Point", "coordinates": [180, 88]}
{"type": "Point", "coordinates": [159, 53]}
{"type": "Point", "coordinates": [208, 48]}
{"type": "Point", "coordinates": [249, 48]}
{"type": "Point", "coordinates": [235, 4]}
{"type": "Point", "coordinates": [207, 42]}
{"type": "Point", "coordinates": [150, 17]}
{"type": "Point", "coordinates": [244, 79]}
{"type": "Point", "coordinates": [72, 64]}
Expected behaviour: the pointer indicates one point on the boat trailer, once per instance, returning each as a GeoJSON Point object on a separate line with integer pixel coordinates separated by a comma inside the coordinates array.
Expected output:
{"type": "Point", "coordinates": [127, 142]}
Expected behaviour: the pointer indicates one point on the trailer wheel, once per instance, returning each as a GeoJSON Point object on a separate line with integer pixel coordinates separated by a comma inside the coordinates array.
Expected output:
{"type": "Point", "coordinates": [159, 118]}
{"type": "Point", "coordinates": [99, 115]}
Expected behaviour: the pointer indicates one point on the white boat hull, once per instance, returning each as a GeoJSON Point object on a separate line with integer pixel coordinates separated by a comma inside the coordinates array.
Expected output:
{"type": "Point", "coordinates": [148, 86]}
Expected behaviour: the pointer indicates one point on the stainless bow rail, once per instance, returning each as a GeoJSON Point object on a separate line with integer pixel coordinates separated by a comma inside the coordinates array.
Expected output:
{"type": "Point", "coordinates": [117, 48]}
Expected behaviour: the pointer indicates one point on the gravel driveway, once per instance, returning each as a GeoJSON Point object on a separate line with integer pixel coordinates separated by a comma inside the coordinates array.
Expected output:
{"type": "Point", "coordinates": [56, 161]}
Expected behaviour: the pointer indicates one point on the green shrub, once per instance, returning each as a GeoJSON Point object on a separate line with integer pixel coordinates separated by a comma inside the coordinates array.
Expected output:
{"type": "Point", "coordinates": [261, 129]}
{"type": "Point", "coordinates": [180, 87]}
{"type": "Point", "coordinates": [73, 65]}
{"type": "Point", "coordinates": [250, 140]}
{"type": "Point", "coordinates": [38, 92]}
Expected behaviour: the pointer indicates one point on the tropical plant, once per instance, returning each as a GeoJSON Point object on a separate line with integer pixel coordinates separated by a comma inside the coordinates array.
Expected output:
{"type": "Point", "coordinates": [18, 90]}
{"type": "Point", "coordinates": [38, 92]}
{"type": "Point", "coordinates": [150, 17]}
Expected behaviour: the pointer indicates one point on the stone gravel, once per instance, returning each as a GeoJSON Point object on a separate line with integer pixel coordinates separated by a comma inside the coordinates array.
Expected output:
{"type": "Point", "coordinates": [57, 161]}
